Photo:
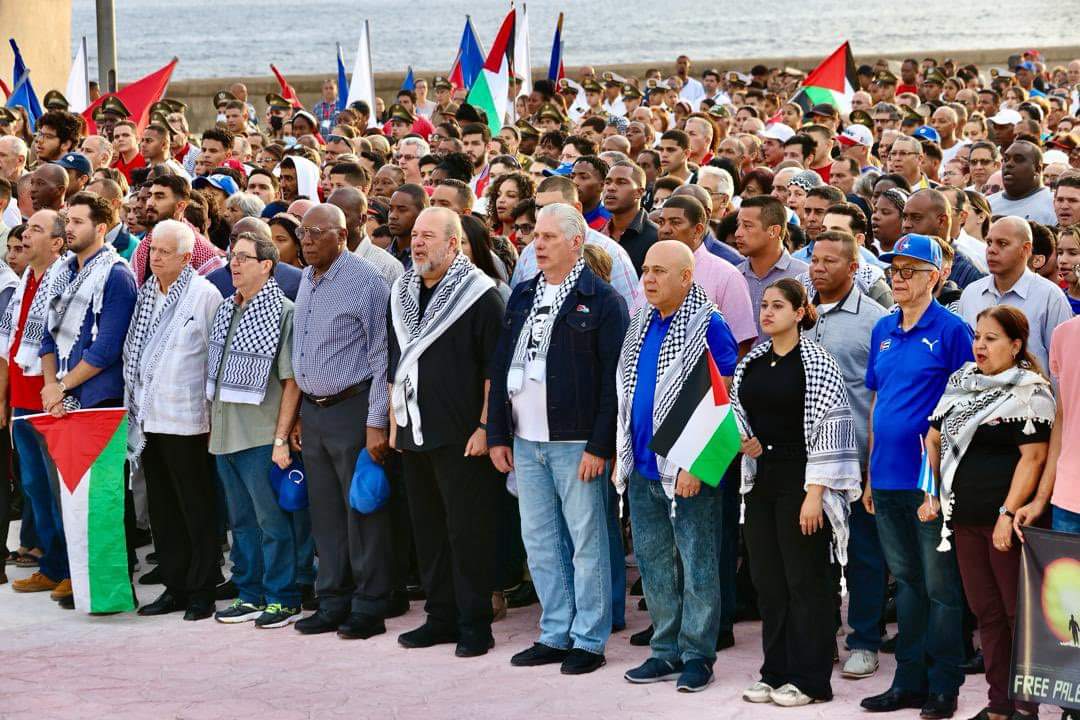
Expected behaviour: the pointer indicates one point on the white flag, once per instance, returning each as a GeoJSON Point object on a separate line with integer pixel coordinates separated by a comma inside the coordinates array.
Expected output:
{"type": "Point", "coordinates": [362, 84]}
{"type": "Point", "coordinates": [77, 92]}
{"type": "Point", "coordinates": [522, 60]}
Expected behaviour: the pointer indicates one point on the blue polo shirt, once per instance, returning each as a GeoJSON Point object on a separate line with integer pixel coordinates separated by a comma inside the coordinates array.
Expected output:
{"type": "Point", "coordinates": [725, 352]}
{"type": "Point", "coordinates": [908, 371]}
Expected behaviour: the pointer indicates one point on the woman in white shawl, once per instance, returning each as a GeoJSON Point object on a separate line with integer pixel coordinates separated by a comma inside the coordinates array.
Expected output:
{"type": "Point", "coordinates": [988, 443]}
{"type": "Point", "coordinates": [800, 469]}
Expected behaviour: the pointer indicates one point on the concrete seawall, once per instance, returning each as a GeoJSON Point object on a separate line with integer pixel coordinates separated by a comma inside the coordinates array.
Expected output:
{"type": "Point", "coordinates": [199, 93]}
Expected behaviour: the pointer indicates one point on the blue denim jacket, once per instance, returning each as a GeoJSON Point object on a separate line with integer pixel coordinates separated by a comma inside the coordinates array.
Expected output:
{"type": "Point", "coordinates": [586, 340]}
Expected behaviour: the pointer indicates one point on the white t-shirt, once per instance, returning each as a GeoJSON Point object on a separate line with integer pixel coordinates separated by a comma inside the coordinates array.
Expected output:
{"type": "Point", "coordinates": [530, 404]}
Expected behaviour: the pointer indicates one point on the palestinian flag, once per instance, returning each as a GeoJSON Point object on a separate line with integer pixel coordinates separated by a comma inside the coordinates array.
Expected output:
{"type": "Point", "coordinates": [87, 448]}
{"type": "Point", "coordinates": [489, 92]}
{"type": "Point", "coordinates": [699, 433]}
{"type": "Point", "coordinates": [834, 82]}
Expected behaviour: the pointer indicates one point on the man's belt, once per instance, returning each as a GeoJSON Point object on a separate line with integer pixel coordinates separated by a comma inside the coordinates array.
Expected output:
{"type": "Point", "coordinates": [330, 400]}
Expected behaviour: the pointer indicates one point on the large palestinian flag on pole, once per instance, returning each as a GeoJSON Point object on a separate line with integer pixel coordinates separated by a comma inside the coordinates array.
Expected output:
{"type": "Point", "coordinates": [87, 449]}
{"type": "Point", "coordinates": [699, 433]}
{"type": "Point", "coordinates": [492, 87]}
{"type": "Point", "coordinates": [834, 81]}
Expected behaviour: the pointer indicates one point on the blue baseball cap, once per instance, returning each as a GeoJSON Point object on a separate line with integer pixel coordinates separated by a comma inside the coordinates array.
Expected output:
{"type": "Point", "coordinates": [925, 132]}
{"type": "Point", "coordinates": [1027, 65]}
{"type": "Point", "coordinates": [77, 162]}
{"type": "Point", "coordinates": [224, 183]}
{"type": "Point", "coordinates": [916, 247]}
{"type": "Point", "coordinates": [564, 169]}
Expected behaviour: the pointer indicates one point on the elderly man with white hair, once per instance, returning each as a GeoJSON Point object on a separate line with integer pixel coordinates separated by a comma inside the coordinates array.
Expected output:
{"type": "Point", "coordinates": [551, 417]}
{"type": "Point", "coordinates": [241, 205]}
{"type": "Point", "coordinates": [721, 188]}
{"type": "Point", "coordinates": [446, 315]}
{"type": "Point", "coordinates": [98, 150]}
{"type": "Point", "coordinates": [1011, 282]}
{"type": "Point", "coordinates": [165, 370]}
{"type": "Point", "coordinates": [13, 157]}
{"type": "Point", "coordinates": [407, 157]}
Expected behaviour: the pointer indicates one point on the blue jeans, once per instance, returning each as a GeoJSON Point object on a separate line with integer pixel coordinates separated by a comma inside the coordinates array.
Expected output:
{"type": "Point", "coordinates": [929, 600]}
{"type": "Point", "coordinates": [866, 581]}
{"type": "Point", "coordinates": [686, 618]}
{"type": "Point", "coordinates": [618, 553]}
{"type": "Point", "coordinates": [263, 538]}
{"type": "Point", "coordinates": [37, 488]}
{"type": "Point", "coordinates": [1064, 520]}
{"type": "Point", "coordinates": [727, 549]}
{"type": "Point", "coordinates": [565, 530]}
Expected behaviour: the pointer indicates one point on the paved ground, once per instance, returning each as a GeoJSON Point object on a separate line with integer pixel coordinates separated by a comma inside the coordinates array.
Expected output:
{"type": "Point", "coordinates": [64, 664]}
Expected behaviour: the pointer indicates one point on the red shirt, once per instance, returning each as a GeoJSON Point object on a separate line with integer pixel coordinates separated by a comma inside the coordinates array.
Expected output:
{"type": "Point", "coordinates": [136, 162]}
{"type": "Point", "coordinates": [902, 88]}
{"type": "Point", "coordinates": [25, 390]}
{"type": "Point", "coordinates": [824, 171]}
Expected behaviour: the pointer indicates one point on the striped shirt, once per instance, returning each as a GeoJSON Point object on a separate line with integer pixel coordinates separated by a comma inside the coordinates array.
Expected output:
{"type": "Point", "coordinates": [339, 332]}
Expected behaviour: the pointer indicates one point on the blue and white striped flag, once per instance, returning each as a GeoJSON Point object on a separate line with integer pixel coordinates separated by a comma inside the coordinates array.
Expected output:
{"type": "Point", "coordinates": [927, 481]}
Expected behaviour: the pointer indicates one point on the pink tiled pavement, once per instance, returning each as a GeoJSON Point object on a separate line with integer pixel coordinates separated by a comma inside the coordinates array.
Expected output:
{"type": "Point", "coordinates": [67, 665]}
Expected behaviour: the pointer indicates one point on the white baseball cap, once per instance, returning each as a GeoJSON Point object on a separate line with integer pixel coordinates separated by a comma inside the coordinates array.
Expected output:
{"type": "Point", "coordinates": [778, 131]}
{"type": "Point", "coordinates": [856, 134]}
{"type": "Point", "coordinates": [1006, 116]}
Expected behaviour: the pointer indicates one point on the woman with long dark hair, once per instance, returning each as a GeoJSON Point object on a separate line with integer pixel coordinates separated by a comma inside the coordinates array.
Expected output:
{"type": "Point", "coordinates": [800, 474]}
{"type": "Point", "coordinates": [988, 442]}
{"type": "Point", "coordinates": [477, 246]}
{"type": "Point", "coordinates": [283, 228]}
{"type": "Point", "coordinates": [504, 193]}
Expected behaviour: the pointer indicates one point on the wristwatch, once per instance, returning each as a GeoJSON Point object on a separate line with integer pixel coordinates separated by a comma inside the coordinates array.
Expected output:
{"type": "Point", "coordinates": [1005, 511]}
{"type": "Point", "coordinates": [63, 387]}
{"type": "Point", "coordinates": [279, 442]}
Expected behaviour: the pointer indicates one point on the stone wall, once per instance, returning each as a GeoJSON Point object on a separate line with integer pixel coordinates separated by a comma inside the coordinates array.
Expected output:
{"type": "Point", "coordinates": [198, 93]}
{"type": "Point", "coordinates": [42, 28]}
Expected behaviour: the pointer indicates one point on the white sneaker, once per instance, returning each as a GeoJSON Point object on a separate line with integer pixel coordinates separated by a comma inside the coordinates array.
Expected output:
{"type": "Point", "coordinates": [759, 692]}
{"type": "Point", "coordinates": [790, 696]}
{"type": "Point", "coordinates": [860, 664]}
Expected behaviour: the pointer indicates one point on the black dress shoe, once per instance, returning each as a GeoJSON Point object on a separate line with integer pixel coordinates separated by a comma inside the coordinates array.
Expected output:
{"type": "Point", "coordinates": [199, 610]}
{"type": "Point", "coordinates": [397, 605]}
{"type": "Point", "coordinates": [642, 638]}
{"type": "Point", "coordinates": [642, 605]}
{"type": "Point", "coordinates": [67, 603]}
{"type": "Point", "coordinates": [474, 644]}
{"type": "Point", "coordinates": [308, 600]}
{"type": "Point", "coordinates": [522, 596]}
{"type": "Point", "coordinates": [725, 640]}
{"type": "Point", "coordinates": [152, 578]}
{"type": "Point", "coordinates": [938, 707]}
{"type": "Point", "coordinates": [152, 557]}
{"type": "Point", "coordinates": [538, 654]}
{"type": "Point", "coordinates": [580, 662]}
{"type": "Point", "coordinates": [636, 589]}
{"type": "Point", "coordinates": [428, 635]}
{"type": "Point", "coordinates": [165, 604]}
{"type": "Point", "coordinates": [414, 590]}
{"type": "Point", "coordinates": [974, 665]}
{"type": "Point", "coordinates": [892, 700]}
{"type": "Point", "coordinates": [359, 626]}
{"type": "Point", "coordinates": [319, 622]}
{"type": "Point", "coordinates": [226, 591]}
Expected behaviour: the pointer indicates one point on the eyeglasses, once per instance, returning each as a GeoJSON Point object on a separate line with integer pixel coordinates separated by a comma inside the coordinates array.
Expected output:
{"type": "Point", "coordinates": [403, 158]}
{"type": "Point", "coordinates": [239, 257]}
{"type": "Point", "coordinates": [902, 153]}
{"type": "Point", "coordinates": [905, 272]}
{"type": "Point", "coordinates": [46, 136]}
{"type": "Point", "coordinates": [523, 228]}
{"type": "Point", "coordinates": [313, 230]}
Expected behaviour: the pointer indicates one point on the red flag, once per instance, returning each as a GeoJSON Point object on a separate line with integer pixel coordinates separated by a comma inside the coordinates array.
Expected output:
{"type": "Point", "coordinates": [137, 97]}
{"type": "Point", "coordinates": [5, 88]}
{"type": "Point", "coordinates": [287, 91]}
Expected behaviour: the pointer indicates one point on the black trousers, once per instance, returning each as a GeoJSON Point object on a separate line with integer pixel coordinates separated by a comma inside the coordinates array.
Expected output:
{"type": "Point", "coordinates": [355, 557]}
{"type": "Point", "coordinates": [793, 581]}
{"type": "Point", "coordinates": [181, 499]}
{"type": "Point", "coordinates": [453, 501]}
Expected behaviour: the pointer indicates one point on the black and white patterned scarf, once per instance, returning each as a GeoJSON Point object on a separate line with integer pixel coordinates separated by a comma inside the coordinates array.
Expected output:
{"type": "Point", "coordinates": [832, 452]}
{"type": "Point", "coordinates": [34, 330]}
{"type": "Point", "coordinates": [250, 357]}
{"type": "Point", "coordinates": [148, 338]}
{"type": "Point", "coordinates": [680, 350]}
{"type": "Point", "coordinates": [515, 377]}
{"type": "Point", "coordinates": [70, 298]}
{"type": "Point", "coordinates": [459, 289]}
{"type": "Point", "coordinates": [972, 399]}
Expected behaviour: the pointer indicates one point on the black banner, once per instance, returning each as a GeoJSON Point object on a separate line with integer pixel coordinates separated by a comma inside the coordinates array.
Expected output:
{"type": "Point", "coordinates": [1046, 647]}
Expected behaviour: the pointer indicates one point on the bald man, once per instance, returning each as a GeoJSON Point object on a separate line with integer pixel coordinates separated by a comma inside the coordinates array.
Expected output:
{"type": "Point", "coordinates": [353, 204]}
{"type": "Point", "coordinates": [945, 121]}
{"type": "Point", "coordinates": [686, 623]}
{"type": "Point", "coordinates": [1011, 282]}
{"type": "Point", "coordinates": [340, 361]}
{"type": "Point", "coordinates": [48, 187]}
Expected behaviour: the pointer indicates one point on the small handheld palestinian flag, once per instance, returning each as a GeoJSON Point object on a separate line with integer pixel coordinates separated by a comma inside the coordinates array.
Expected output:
{"type": "Point", "coordinates": [699, 433]}
{"type": "Point", "coordinates": [87, 448]}
{"type": "Point", "coordinates": [927, 481]}
{"type": "Point", "coordinates": [832, 82]}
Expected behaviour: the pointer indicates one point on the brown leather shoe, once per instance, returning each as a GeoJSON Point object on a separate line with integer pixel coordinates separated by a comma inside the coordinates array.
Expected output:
{"type": "Point", "coordinates": [63, 590]}
{"type": "Point", "coordinates": [35, 583]}
{"type": "Point", "coordinates": [3, 577]}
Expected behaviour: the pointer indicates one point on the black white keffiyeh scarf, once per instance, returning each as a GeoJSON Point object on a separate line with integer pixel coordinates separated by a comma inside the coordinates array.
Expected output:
{"type": "Point", "coordinates": [972, 399]}
{"type": "Point", "coordinates": [680, 350]}
{"type": "Point", "coordinates": [69, 299]}
{"type": "Point", "coordinates": [515, 378]}
{"type": "Point", "coordinates": [460, 288]}
{"type": "Point", "coordinates": [832, 453]}
{"type": "Point", "coordinates": [34, 329]}
{"type": "Point", "coordinates": [148, 339]}
{"type": "Point", "coordinates": [246, 372]}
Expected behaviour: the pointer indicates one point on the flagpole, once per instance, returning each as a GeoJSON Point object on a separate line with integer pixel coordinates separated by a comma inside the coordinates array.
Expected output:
{"type": "Point", "coordinates": [371, 74]}
{"type": "Point", "coordinates": [106, 45]}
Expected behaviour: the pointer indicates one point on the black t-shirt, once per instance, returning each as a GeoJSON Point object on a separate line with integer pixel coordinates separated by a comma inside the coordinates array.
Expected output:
{"type": "Point", "coordinates": [985, 472]}
{"type": "Point", "coordinates": [452, 372]}
{"type": "Point", "coordinates": [773, 398]}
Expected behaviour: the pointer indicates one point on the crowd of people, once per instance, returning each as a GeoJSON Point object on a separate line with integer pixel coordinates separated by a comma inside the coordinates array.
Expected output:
{"type": "Point", "coordinates": [498, 324]}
